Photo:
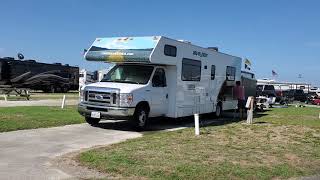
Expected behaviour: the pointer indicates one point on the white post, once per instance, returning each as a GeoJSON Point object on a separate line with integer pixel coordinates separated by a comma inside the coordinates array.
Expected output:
{"type": "Point", "coordinates": [63, 102]}
{"type": "Point", "coordinates": [5, 97]}
{"type": "Point", "coordinates": [250, 111]}
{"type": "Point", "coordinates": [196, 124]}
{"type": "Point", "coordinates": [319, 115]}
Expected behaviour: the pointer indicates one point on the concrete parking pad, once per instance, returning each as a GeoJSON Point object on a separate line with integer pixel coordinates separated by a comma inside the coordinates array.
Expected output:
{"type": "Point", "coordinates": [27, 154]}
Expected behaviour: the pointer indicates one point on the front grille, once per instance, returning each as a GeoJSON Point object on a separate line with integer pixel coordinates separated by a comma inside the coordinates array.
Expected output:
{"type": "Point", "coordinates": [103, 98]}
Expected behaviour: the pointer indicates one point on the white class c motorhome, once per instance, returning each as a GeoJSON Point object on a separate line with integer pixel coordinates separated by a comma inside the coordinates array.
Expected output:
{"type": "Point", "coordinates": [157, 76]}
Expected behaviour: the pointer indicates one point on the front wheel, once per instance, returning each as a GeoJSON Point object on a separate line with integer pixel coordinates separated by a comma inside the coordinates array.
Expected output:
{"type": "Point", "coordinates": [92, 121]}
{"type": "Point", "coordinates": [141, 118]}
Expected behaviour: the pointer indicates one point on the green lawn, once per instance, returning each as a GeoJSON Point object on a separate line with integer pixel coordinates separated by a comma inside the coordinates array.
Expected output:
{"type": "Point", "coordinates": [17, 118]}
{"type": "Point", "coordinates": [283, 143]}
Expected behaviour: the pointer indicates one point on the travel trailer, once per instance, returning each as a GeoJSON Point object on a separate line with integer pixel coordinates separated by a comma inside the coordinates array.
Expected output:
{"type": "Point", "coordinates": [157, 76]}
{"type": "Point", "coordinates": [32, 75]}
{"type": "Point", "coordinates": [249, 81]}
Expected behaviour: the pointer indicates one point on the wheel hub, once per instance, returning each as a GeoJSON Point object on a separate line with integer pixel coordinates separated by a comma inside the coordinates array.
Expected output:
{"type": "Point", "coordinates": [142, 118]}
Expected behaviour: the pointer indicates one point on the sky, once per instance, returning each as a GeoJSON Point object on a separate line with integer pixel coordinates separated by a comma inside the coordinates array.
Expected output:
{"type": "Point", "coordinates": [279, 35]}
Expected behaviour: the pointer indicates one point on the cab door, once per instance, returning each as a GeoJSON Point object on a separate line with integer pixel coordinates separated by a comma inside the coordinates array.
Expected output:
{"type": "Point", "coordinates": [159, 93]}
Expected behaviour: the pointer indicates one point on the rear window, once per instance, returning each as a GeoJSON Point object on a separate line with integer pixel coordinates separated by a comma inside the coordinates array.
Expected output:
{"type": "Point", "coordinates": [259, 87]}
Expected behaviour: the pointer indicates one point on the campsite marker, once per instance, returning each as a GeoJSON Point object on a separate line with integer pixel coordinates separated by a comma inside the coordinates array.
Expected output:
{"type": "Point", "coordinates": [249, 105]}
{"type": "Point", "coordinates": [196, 124]}
{"type": "Point", "coordinates": [63, 102]}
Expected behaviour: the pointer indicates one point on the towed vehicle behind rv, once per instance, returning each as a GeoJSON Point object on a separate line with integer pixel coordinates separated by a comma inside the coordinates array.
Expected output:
{"type": "Point", "coordinates": [157, 76]}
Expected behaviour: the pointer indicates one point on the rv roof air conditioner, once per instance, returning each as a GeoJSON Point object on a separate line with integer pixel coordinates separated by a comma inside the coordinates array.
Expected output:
{"type": "Point", "coordinates": [214, 48]}
{"type": "Point", "coordinates": [184, 41]}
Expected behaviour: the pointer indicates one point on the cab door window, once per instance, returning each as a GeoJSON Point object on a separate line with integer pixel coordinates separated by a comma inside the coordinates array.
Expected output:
{"type": "Point", "coordinates": [159, 78]}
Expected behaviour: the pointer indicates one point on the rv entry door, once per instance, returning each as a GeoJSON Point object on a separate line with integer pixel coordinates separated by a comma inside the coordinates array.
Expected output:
{"type": "Point", "coordinates": [159, 93]}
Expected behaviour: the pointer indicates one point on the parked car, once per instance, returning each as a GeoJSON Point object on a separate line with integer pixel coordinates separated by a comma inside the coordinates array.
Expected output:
{"type": "Point", "coordinates": [297, 95]}
{"type": "Point", "coordinates": [311, 96]}
{"type": "Point", "coordinates": [316, 101]}
{"type": "Point", "coordinates": [266, 90]}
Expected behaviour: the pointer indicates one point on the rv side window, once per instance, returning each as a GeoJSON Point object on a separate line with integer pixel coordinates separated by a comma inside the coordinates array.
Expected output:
{"type": "Point", "coordinates": [159, 78]}
{"type": "Point", "coordinates": [231, 73]}
{"type": "Point", "coordinates": [191, 70]}
{"type": "Point", "coordinates": [170, 50]}
{"type": "Point", "coordinates": [213, 72]}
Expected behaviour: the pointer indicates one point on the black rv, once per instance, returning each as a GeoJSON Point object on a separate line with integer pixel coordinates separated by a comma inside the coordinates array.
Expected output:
{"type": "Point", "coordinates": [38, 76]}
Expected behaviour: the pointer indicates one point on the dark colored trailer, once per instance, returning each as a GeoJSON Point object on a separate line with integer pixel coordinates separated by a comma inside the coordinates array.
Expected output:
{"type": "Point", "coordinates": [29, 74]}
{"type": "Point", "coordinates": [249, 82]}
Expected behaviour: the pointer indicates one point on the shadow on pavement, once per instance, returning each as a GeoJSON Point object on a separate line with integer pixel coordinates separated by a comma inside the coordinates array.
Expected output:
{"type": "Point", "coordinates": [168, 124]}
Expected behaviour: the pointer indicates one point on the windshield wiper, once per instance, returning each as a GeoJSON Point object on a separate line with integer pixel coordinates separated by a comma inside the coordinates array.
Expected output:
{"type": "Point", "coordinates": [134, 82]}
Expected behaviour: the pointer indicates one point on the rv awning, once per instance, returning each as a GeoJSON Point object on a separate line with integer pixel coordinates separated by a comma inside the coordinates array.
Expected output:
{"type": "Point", "coordinates": [122, 49]}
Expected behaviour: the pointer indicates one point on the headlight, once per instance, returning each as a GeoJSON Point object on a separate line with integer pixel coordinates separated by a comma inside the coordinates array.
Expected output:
{"type": "Point", "coordinates": [126, 99]}
{"type": "Point", "coordinates": [81, 95]}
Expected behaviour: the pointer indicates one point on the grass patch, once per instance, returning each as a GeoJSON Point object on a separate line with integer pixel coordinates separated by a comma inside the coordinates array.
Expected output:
{"type": "Point", "coordinates": [17, 118]}
{"type": "Point", "coordinates": [278, 146]}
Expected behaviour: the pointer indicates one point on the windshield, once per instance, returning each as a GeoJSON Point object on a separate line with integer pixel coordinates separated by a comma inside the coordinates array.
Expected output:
{"type": "Point", "coordinates": [135, 74]}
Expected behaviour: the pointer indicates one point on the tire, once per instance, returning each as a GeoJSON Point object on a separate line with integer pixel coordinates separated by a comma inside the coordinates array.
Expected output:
{"type": "Point", "coordinates": [65, 89]}
{"type": "Point", "coordinates": [92, 121]}
{"type": "Point", "coordinates": [140, 118]}
{"type": "Point", "coordinates": [218, 112]}
{"type": "Point", "coordinates": [52, 89]}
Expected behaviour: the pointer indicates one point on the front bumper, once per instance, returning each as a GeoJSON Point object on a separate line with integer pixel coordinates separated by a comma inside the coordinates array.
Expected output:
{"type": "Point", "coordinates": [106, 112]}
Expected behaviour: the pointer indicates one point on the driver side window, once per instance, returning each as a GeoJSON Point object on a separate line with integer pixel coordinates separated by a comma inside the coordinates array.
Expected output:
{"type": "Point", "coordinates": [159, 78]}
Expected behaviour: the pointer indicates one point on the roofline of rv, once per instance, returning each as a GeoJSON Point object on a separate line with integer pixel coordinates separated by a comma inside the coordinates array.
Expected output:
{"type": "Point", "coordinates": [173, 40]}
{"type": "Point", "coordinates": [201, 47]}
{"type": "Point", "coordinates": [142, 63]}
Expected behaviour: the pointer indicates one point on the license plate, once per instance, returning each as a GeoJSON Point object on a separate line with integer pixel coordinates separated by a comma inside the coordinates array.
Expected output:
{"type": "Point", "coordinates": [95, 115]}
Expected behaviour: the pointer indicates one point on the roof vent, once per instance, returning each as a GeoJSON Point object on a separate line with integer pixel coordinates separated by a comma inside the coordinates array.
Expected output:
{"type": "Point", "coordinates": [184, 41]}
{"type": "Point", "coordinates": [214, 48]}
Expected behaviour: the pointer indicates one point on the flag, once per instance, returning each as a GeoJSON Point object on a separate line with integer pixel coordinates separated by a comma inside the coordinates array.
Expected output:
{"type": "Point", "coordinates": [274, 73]}
{"type": "Point", "coordinates": [84, 51]}
{"type": "Point", "coordinates": [247, 64]}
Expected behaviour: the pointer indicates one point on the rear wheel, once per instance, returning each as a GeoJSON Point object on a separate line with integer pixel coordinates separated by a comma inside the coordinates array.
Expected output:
{"type": "Point", "coordinates": [218, 112]}
{"type": "Point", "coordinates": [141, 117]}
{"type": "Point", "coordinates": [92, 121]}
